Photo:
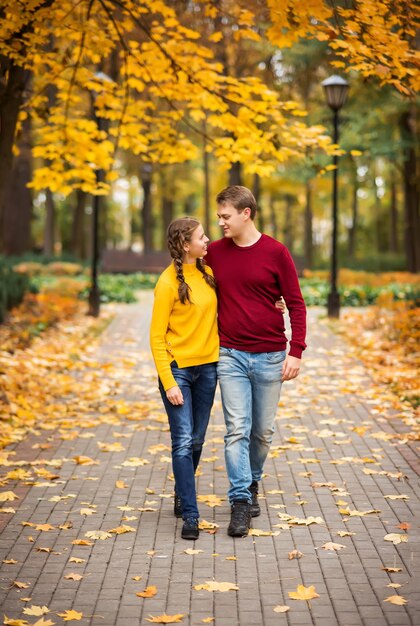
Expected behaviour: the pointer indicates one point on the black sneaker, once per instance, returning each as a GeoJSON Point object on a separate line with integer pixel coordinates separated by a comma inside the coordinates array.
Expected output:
{"type": "Point", "coordinates": [190, 528]}
{"type": "Point", "coordinates": [255, 506]}
{"type": "Point", "coordinates": [177, 505]}
{"type": "Point", "coordinates": [240, 518]}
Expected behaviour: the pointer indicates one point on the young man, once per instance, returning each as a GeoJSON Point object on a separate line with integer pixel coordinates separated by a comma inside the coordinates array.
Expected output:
{"type": "Point", "coordinates": [251, 270]}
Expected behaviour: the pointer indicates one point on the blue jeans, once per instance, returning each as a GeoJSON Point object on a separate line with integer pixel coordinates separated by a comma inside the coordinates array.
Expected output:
{"type": "Point", "coordinates": [250, 383]}
{"type": "Point", "coordinates": [188, 424]}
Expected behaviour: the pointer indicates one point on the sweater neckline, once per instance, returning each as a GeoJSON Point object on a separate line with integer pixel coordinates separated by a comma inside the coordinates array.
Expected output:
{"type": "Point", "coordinates": [253, 245]}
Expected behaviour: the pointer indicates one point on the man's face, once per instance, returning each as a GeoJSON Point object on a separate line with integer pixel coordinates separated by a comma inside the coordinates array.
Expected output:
{"type": "Point", "coordinates": [232, 222]}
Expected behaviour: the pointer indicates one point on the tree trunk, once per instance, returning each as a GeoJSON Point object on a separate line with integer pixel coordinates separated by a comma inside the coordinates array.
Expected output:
{"type": "Point", "coordinates": [393, 233]}
{"type": "Point", "coordinates": [78, 238]}
{"type": "Point", "coordinates": [256, 190]}
{"type": "Point", "coordinates": [11, 98]}
{"type": "Point", "coordinates": [49, 228]}
{"type": "Point", "coordinates": [288, 224]}
{"type": "Point", "coordinates": [146, 211]}
{"type": "Point", "coordinates": [273, 219]}
{"type": "Point", "coordinates": [411, 191]}
{"type": "Point", "coordinates": [235, 174]}
{"type": "Point", "coordinates": [206, 168]}
{"type": "Point", "coordinates": [18, 199]}
{"type": "Point", "coordinates": [168, 193]}
{"type": "Point", "coordinates": [354, 214]}
{"type": "Point", "coordinates": [308, 237]}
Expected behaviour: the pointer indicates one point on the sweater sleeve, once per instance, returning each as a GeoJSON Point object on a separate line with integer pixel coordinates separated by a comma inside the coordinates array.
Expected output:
{"type": "Point", "coordinates": [162, 308]}
{"type": "Point", "coordinates": [295, 303]}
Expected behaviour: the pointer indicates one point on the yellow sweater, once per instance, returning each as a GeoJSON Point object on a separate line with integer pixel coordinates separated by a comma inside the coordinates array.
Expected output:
{"type": "Point", "coordinates": [186, 333]}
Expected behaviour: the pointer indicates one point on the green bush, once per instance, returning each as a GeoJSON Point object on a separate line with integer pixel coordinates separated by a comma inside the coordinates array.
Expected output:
{"type": "Point", "coordinates": [315, 292]}
{"type": "Point", "coordinates": [122, 287]}
{"type": "Point", "coordinates": [12, 287]}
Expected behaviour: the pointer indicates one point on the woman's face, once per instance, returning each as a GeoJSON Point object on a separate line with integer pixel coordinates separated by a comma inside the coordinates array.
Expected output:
{"type": "Point", "coordinates": [197, 247]}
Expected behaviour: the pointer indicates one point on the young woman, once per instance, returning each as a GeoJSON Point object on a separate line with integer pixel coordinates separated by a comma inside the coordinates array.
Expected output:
{"type": "Point", "coordinates": [185, 347]}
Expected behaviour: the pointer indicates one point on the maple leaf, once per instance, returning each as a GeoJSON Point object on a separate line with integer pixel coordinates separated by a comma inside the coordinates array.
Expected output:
{"type": "Point", "coordinates": [97, 534]}
{"type": "Point", "coordinates": [9, 621]}
{"type": "Point", "coordinates": [135, 462]}
{"type": "Point", "coordinates": [392, 570]}
{"type": "Point", "coordinates": [404, 526]}
{"type": "Point", "coordinates": [75, 559]}
{"type": "Point", "coordinates": [355, 512]}
{"type": "Point", "coordinates": [69, 615]}
{"type": "Point", "coordinates": [281, 608]}
{"type": "Point", "coordinates": [9, 561]}
{"type": "Point", "coordinates": [256, 532]}
{"type": "Point", "coordinates": [303, 593]}
{"type": "Point", "coordinates": [44, 527]}
{"type": "Point", "coordinates": [192, 551]}
{"type": "Point", "coordinates": [82, 542]}
{"type": "Point", "coordinates": [73, 576]}
{"type": "Point", "coordinates": [5, 496]}
{"type": "Point", "coordinates": [399, 497]}
{"type": "Point", "coordinates": [345, 533]}
{"type": "Point", "coordinates": [87, 511]}
{"type": "Point", "coordinates": [121, 484]}
{"type": "Point", "coordinates": [19, 585]}
{"type": "Point", "coordinates": [211, 500]}
{"type": "Point", "coordinates": [212, 585]}
{"type": "Point", "coordinates": [396, 600]}
{"type": "Point", "coordinates": [120, 530]}
{"type": "Point", "coordinates": [210, 527]}
{"type": "Point", "coordinates": [208, 620]}
{"type": "Point", "coordinates": [36, 611]}
{"type": "Point", "coordinates": [166, 619]}
{"type": "Point", "coordinates": [149, 592]}
{"type": "Point", "coordinates": [43, 622]}
{"type": "Point", "coordinates": [7, 509]}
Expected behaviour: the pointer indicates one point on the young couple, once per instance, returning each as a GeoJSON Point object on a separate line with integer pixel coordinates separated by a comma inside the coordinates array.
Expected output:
{"type": "Point", "coordinates": [237, 337]}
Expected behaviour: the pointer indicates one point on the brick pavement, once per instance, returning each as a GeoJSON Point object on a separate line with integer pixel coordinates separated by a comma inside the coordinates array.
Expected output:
{"type": "Point", "coordinates": [314, 443]}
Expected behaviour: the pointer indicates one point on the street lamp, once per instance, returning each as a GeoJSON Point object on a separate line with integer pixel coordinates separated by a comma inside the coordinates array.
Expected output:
{"type": "Point", "coordinates": [335, 89]}
{"type": "Point", "coordinates": [94, 297]}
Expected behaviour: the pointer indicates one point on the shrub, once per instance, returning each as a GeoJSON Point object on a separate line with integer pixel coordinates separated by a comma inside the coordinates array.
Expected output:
{"type": "Point", "coordinates": [13, 286]}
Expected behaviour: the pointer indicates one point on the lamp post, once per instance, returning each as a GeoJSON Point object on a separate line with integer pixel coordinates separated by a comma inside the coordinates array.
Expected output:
{"type": "Point", "coordinates": [335, 89]}
{"type": "Point", "coordinates": [94, 297]}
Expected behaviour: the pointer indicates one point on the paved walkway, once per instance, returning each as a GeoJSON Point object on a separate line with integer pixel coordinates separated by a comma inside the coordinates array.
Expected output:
{"type": "Point", "coordinates": [342, 470]}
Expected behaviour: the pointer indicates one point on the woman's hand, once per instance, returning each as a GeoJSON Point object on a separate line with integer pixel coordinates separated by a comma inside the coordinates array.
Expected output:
{"type": "Point", "coordinates": [280, 304]}
{"type": "Point", "coordinates": [174, 395]}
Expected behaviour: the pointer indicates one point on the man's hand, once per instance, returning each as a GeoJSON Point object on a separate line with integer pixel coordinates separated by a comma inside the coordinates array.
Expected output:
{"type": "Point", "coordinates": [174, 395]}
{"type": "Point", "coordinates": [280, 304]}
{"type": "Point", "coordinates": [291, 368]}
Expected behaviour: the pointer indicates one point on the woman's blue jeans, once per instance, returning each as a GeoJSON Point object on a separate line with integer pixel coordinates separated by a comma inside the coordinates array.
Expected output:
{"type": "Point", "coordinates": [250, 384]}
{"type": "Point", "coordinates": [188, 424]}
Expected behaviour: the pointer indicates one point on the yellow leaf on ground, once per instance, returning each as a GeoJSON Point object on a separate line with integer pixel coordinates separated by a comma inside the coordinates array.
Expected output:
{"type": "Point", "coordinates": [9, 621]}
{"type": "Point", "coordinates": [97, 534]}
{"type": "Point", "coordinates": [82, 542]}
{"type": "Point", "coordinates": [212, 585]}
{"type": "Point", "coordinates": [19, 585]}
{"type": "Point", "coordinates": [84, 460]}
{"type": "Point", "coordinates": [149, 592]}
{"type": "Point", "coordinates": [330, 545]}
{"type": "Point", "coordinates": [281, 608]}
{"type": "Point", "coordinates": [43, 622]}
{"type": "Point", "coordinates": [121, 484]}
{"type": "Point", "coordinates": [344, 533]}
{"type": "Point", "coordinates": [37, 611]}
{"type": "Point", "coordinates": [135, 461]}
{"type": "Point", "coordinates": [87, 511]}
{"type": "Point", "coordinates": [9, 561]}
{"type": "Point", "coordinates": [7, 509]}
{"type": "Point", "coordinates": [210, 499]}
{"type": "Point", "coordinates": [73, 576]}
{"type": "Point", "coordinates": [208, 620]}
{"type": "Point", "coordinates": [70, 614]}
{"type": "Point", "coordinates": [75, 559]}
{"type": "Point", "coordinates": [166, 619]}
{"type": "Point", "coordinates": [120, 530]}
{"type": "Point", "coordinates": [303, 593]}
{"type": "Point", "coordinates": [192, 551]}
{"type": "Point", "coordinates": [396, 600]}
{"type": "Point", "coordinates": [5, 496]}
{"type": "Point", "coordinates": [392, 570]}
{"type": "Point", "coordinates": [256, 532]}
{"type": "Point", "coordinates": [231, 558]}
{"type": "Point", "coordinates": [354, 512]}
{"type": "Point", "coordinates": [44, 527]}
{"type": "Point", "coordinates": [401, 497]}
{"type": "Point", "coordinates": [396, 538]}
{"type": "Point", "coordinates": [210, 527]}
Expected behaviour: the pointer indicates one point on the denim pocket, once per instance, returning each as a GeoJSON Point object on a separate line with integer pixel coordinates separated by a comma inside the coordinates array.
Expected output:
{"type": "Point", "coordinates": [276, 357]}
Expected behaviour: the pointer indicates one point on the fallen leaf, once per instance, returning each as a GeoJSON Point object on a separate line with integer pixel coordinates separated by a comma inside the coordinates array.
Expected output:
{"type": "Point", "coordinates": [82, 542]}
{"type": "Point", "coordinates": [212, 585]}
{"type": "Point", "coordinates": [231, 558]}
{"type": "Point", "coordinates": [121, 484]}
{"type": "Point", "coordinates": [208, 620]}
{"type": "Point", "coordinates": [136, 578]}
{"type": "Point", "coordinates": [256, 532]}
{"type": "Point", "coordinates": [120, 530]}
{"type": "Point", "coordinates": [97, 534]}
{"type": "Point", "coordinates": [7, 509]}
{"type": "Point", "coordinates": [44, 527]}
{"type": "Point", "coordinates": [404, 526]}
{"type": "Point", "coordinates": [394, 585]}
{"type": "Point", "coordinates": [330, 545]}
{"type": "Point", "coordinates": [9, 561]}
{"type": "Point", "coordinates": [354, 512]}
{"type": "Point", "coordinates": [135, 462]}
{"type": "Point", "coordinates": [43, 622]}
{"type": "Point", "coordinates": [166, 619]}
{"type": "Point", "coordinates": [73, 576]}
{"type": "Point", "coordinates": [6, 496]}
{"type": "Point", "coordinates": [396, 538]}
{"type": "Point", "coordinates": [303, 593]}
{"type": "Point", "coordinates": [37, 611]}
{"type": "Point", "coordinates": [192, 551]}
{"type": "Point", "coordinates": [210, 499]}
{"type": "Point", "coordinates": [87, 511]}
{"type": "Point", "coordinates": [344, 533]}
{"type": "Point", "coordinates": [399, 497]}
{"type": "Point", "coordinates": [9, 621]}
{"type": "Point", "coordinates": [19, 585]}
{"type": "Point", "coordinates": [70, 615]}
{"type": "Point", "coordinates": [149, 592]}
{"type": "Point", "coordinates": [281, 608]}
{"type": "Point", "coordinates": [85, 460]}
{"type": "Point", "coordinates": [392, 570]}
{"type": "Point", "coordinates": [210, 527]}
{"type": "Point", "coordinates": [295, 554]}
{"type": "Point", "coordinates": [396, 600]}
{"type": "Point", "coordinates": [75, 559]}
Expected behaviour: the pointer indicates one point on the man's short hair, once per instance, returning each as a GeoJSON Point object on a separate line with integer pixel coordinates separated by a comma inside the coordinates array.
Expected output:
{"type": "Point", "coordinates": [240, 197]}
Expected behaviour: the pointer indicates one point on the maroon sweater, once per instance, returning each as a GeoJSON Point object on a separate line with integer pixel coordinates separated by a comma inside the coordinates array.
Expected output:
{"type": "Point", "coordinates": [249, 281]}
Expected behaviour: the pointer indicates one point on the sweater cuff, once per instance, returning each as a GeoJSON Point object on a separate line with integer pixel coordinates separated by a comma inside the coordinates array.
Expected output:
{"type": "Point", "coordinates": [295, 351]}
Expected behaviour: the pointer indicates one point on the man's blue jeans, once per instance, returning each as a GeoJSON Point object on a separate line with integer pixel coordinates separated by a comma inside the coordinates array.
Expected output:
{"type": "Point", "coordinates": [250, 383]}
{"type": "Point", "coordinates": [188, 424]}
